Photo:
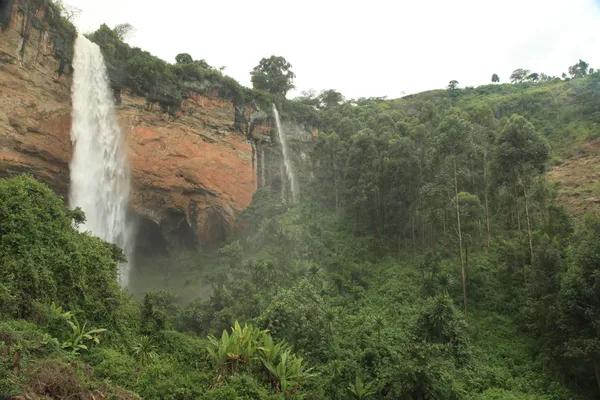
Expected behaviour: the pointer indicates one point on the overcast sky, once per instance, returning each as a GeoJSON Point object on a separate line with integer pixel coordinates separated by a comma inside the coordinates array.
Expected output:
{"type": "Point", "coordinates": [364, 48]}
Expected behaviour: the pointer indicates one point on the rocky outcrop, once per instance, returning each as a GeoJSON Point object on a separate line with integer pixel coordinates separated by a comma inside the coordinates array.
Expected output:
{"type": "Point", "coordinates": [195, 166]}
{"type": "Point", "coordinates": [194, 170]}
{"type": "Point", "coordinates": [34, 102]}
{"type": "Point", "coordinates": [191, 174]}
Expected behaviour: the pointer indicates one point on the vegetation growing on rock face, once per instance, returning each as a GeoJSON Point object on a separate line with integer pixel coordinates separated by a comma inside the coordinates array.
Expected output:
{"type": "Point", "coordinates": [165, 83]}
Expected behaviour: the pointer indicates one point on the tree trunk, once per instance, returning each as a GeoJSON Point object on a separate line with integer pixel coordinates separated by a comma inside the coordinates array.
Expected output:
{"type": "Point", "coordinates": [16, 363]}
{"type": "Point", "coordinates": [597, 370]}
{"type": "Point", "coordinates": [519, 228]}
{"type": "Point", "coordinates": [382, 207]}
{"type": "Point", "coordinates": [529, 233]}
{"type": "Point", "coordinates": [375, 214]}
{"type": "Point", "coordinates": [489, 222]}
{"type": "Point", "coordinates": [466, 259]}
{"type": "Point", "coordinates": [444, 223]}
{"type": "Point", "coordinates": [422, 236]}
{"type": "Point", "coordinates": [335, 188]}
{"type": "Point", "coordinates": [460, 244]}
{"type": "Point", "coordinates": [487, 207]}
{"type": "Point", "coordinates": [414, 239]}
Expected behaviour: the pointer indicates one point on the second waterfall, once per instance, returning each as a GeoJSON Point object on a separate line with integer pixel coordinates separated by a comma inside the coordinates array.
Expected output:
{"type": "Point", "coordinates": [100, 175]}
{"type": "Point", "coordinates": [286, 155]}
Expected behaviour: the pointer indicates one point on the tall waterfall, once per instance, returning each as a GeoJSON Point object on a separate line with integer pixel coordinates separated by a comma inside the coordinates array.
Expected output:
{"type": "Point", "coordinates": [286, 156]}
{"type": "Point", "coordinates": [100, 175]}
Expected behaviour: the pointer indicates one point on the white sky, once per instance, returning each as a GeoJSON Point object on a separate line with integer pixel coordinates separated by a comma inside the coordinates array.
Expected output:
{"type": "Point", "coordinates": [364, 48]}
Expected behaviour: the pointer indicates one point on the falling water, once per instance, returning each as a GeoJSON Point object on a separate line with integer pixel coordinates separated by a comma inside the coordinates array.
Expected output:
{"type": "Point", "coordinates": [99, 169]}
{"type": "Point", "coordinates": [286, 156]}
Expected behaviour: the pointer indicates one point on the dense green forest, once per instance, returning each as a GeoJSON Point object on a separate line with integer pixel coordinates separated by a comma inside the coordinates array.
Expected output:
{"type": "Point", "coordinates": [427, 258]}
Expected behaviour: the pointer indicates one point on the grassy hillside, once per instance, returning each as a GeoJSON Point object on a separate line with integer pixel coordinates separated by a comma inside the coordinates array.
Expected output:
{"type": "Point", "coordinates": [566, 112]}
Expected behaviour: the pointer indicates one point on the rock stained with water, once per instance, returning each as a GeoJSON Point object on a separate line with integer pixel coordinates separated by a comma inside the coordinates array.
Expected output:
{"type": "Point", "coordinates": [289, 167]}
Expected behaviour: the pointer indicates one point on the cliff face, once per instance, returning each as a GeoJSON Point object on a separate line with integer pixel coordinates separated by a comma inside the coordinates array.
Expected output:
{"type": "Point", "coordinates": [191, 174]}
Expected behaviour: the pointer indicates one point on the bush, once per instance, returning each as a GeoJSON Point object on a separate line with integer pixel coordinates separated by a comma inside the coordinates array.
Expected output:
{"type": "Point", "coordinates": [43, 258]}
{"type": "Point", "coordinates": [240, 387]}
{"type": "Point", "coordinates": [111, 364]}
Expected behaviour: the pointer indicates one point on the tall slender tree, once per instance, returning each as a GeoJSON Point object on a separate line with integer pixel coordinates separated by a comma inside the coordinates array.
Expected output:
{"type": "Point", "coordinates": [453, 145]}
{"type": "Point", "coordinates": [520, 155]}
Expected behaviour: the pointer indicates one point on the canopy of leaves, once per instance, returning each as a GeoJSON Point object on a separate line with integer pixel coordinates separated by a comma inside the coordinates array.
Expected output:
{"type": "Point", "coordinates": [273, 75]}
{"type": "Point", "coordinates": [519, 150]}
{"type": "Point", "coordinates": [519, 75]}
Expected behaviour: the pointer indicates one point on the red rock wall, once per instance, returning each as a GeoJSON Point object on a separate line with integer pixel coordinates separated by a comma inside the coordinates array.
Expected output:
{"type": "Point", "coordinates": [196, 167]}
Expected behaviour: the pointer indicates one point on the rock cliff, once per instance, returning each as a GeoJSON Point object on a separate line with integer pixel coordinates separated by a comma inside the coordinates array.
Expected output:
{"type": "Point", "coordinates": [192, 174]}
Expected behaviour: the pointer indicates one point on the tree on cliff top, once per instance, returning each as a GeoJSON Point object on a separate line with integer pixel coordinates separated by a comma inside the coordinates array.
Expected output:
{"type": "Point", "coordinates": [67, 11]}
{"type": "Point", "coordinates": [273, 75]}
{"type": "Point", "coordinates": [124, 30]}
{"type": "Point", "coordinates": [183, 58]}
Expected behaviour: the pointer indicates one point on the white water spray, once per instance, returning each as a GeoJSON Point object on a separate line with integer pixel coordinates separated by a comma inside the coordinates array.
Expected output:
{"type": "Point", "coordinates": [286, 157]}
{"type": "Point", "coordinates": [100, 175]}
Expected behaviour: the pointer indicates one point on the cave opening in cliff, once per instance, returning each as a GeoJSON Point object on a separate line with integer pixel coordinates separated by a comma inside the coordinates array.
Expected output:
{"type": "Point", "coordinates": [149, 241]}
{"type": "Point", "coordinates": [165, 253]}
{"type": "Point", "coordinates": [180, 235]}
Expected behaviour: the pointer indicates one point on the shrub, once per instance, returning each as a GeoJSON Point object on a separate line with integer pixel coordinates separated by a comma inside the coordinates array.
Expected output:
{"type": "Point", "coordinates": [44, 258]}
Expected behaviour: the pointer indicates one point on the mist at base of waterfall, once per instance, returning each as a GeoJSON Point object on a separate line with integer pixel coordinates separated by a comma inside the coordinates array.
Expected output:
{"type": "Point", "coordinates": [185, 275]}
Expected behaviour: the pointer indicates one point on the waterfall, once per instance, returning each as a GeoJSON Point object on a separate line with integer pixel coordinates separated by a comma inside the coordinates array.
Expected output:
{"type": "Point", "coordinates": [100, 175]}
{"type": "Point", "coordinates": [286, 156]}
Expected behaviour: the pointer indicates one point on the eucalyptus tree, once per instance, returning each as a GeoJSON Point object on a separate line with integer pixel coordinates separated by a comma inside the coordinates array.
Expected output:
{"type": "Point", "coordinates": [579, 70]}
{"type": "Point", "coordinates": [519, 75]}
{"type": "Point", "coordinates": [330, 154]}
{"type": "Point", "coordinates": [533, 77]}
{"type": "Point", "coordinates": [485, 123]}
{"type": "Point", "coordinates": [124, 30]}
{"type": "Point", "coordinates": [402, 183]}
{"type": "Point", "coordinates": [452, 147]}
{"type": "Point", "coordinates": [329, 99]}
{"type": "Point", "coordinates": [453, 89]}
{"type": "Point", "coordinates": [363, 175]}
{"type": "Point", "coordinates": [520, 155]}
{"type": "Point", "coordinates": [471, 213]}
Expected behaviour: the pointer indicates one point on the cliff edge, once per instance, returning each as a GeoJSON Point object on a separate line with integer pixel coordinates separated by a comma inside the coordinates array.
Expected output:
{"type": "Point", "coordinates": [191, 174]}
